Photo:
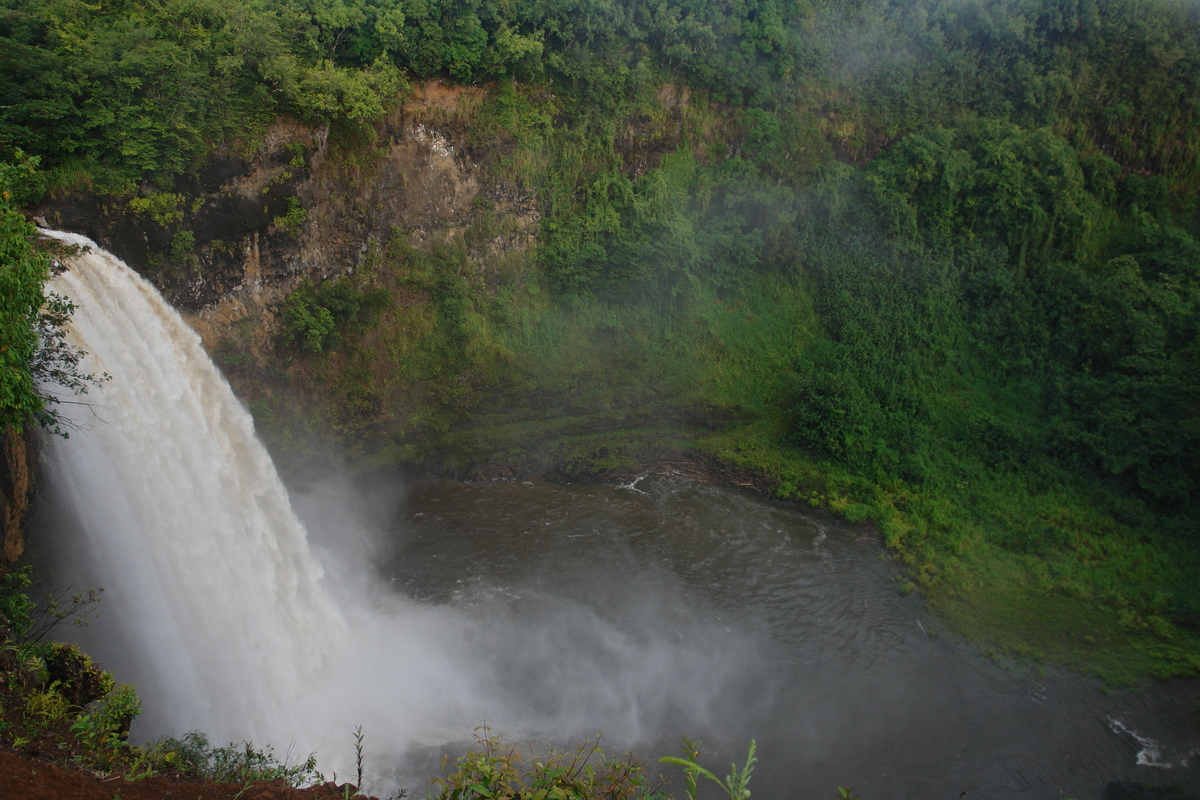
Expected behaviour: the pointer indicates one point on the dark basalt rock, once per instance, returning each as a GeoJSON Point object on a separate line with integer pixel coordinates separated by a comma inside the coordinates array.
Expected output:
{"type": "Point", "coordinates": [220, 221]}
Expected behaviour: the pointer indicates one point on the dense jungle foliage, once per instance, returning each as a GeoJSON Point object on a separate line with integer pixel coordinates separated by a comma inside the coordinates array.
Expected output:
{"type": "Point", "coordinates": [933, 263]}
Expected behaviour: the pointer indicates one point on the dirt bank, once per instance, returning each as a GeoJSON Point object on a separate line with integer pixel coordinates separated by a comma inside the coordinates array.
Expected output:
{"type": "Point", "coordinates": [35, 779]}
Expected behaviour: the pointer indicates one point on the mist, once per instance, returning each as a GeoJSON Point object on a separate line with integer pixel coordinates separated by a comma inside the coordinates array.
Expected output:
{"type": "Point", "coordinates": [540, 650]}
{"type": "Point", "coordinates": [421, 610]}
{"type": "Point", "coordinates": [619, 651]}
{"type": "Point", "coordinates": [232, 619]}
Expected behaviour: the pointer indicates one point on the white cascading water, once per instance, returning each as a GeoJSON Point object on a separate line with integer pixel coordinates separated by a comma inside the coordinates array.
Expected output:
{"type": "Point", "coordinates": [186, 521]}
{"type": "Point", "coordinates": [215, 605]}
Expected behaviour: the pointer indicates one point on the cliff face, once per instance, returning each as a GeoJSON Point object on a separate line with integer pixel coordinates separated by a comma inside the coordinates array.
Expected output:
{"type": "Point", "coordinates": [228, 246]}
{"type": "Point", "coordinates": [431, 210]}
{"type": "Point", "coordinates": [17, 469]}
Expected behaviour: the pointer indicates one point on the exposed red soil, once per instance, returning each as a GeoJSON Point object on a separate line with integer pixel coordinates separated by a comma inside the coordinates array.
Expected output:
{"type": "Point", "coordinates": [29, 779]}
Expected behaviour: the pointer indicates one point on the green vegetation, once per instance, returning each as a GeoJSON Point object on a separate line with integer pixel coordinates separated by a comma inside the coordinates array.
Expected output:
{"type": "Point", "coordinates": [499, 770]}
{"type": "Point", "coordinates": [293, 221]}
{"type": "Point", "coordinates": [162, 207]}
{"type": "Point", "coordinates": [110, 95]}
{"type": "Point", "coordinates": [23, 271]}
{"type": "Point", "coordinates": [36, 362]}
{"type": "Point", "coordinates": [313, 316]}
{"type": "Point", "coordinates": [931, 264]}
{"type": "Point", "coordinates": [736, 784]}
{"type": "Point", "coordinates": [56, 702]}
{"type": "Point", "coordinates": [52, 692]}
{"type": "Point", "coordinates": [194, 757]}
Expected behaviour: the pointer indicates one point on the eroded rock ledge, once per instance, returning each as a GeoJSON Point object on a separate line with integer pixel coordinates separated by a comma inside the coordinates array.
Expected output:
{"type": "Point", "coordinates": [232, 242]}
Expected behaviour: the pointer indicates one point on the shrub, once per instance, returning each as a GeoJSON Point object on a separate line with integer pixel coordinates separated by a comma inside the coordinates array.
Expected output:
{"type": "Point", "coordinates": [499, 770]}
{"type": "Point", "coordinates": [182, 245]}
{"type": "Point", "coordinates": [162, 207]}
{"type": "Point", "coordinates": [306, 322]}
{"type": "Point", "coordinates": [24, 624]}
{"type": "Point", "coordinates": [292, 221]}
{"type": "Point", "coordinates": [311, 314]}
{"type": "Point", "coordinates": [234, 763]}
{"type": "Point", "coordinates": [48, 705]}
{"type": "Point", "coordinates": [79, 680]}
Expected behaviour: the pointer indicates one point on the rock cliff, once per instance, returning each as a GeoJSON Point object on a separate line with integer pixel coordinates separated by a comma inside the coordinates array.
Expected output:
{"type": "Point", "coordinates": [303, 202]}
{"type": "Point", "coordinates": [432, 209]}
{"type": "Point", "coordinates": [17, 471]}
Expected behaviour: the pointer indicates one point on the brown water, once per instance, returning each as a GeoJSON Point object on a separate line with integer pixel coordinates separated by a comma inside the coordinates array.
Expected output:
{"type": "Point", "coordinates": [661, 609]}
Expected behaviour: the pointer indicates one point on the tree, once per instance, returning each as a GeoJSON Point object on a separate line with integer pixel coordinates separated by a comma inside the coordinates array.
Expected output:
{"type": "Point", "coordinates": [23, 272]}
{"type": "Point", "coordinates": [34, 352]}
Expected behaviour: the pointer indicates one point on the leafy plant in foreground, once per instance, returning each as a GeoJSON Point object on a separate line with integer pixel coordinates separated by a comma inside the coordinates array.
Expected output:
{"type": "Point", "coordinates": [25, 622]}
{"type": "Point", "coordinates": [234, 763]}
{"type": "Point", "coordinates": [736, 783]}
{"type": "Point", "coordinates": [24, 625]}
{"type": "Point", "coordinates": [498, 770]}
{"type": "Point", "coordinates": [103, 729]}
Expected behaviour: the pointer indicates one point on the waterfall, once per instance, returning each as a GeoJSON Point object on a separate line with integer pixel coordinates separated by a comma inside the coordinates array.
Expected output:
{"type": "Point", "coordinates": [216, 608]}
{"type": "Point", "coordinates": [210, 586]}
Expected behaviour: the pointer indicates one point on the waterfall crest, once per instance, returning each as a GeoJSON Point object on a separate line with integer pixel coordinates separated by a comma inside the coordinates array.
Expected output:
{"type": "Point", "coordinates": [210, 582]}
